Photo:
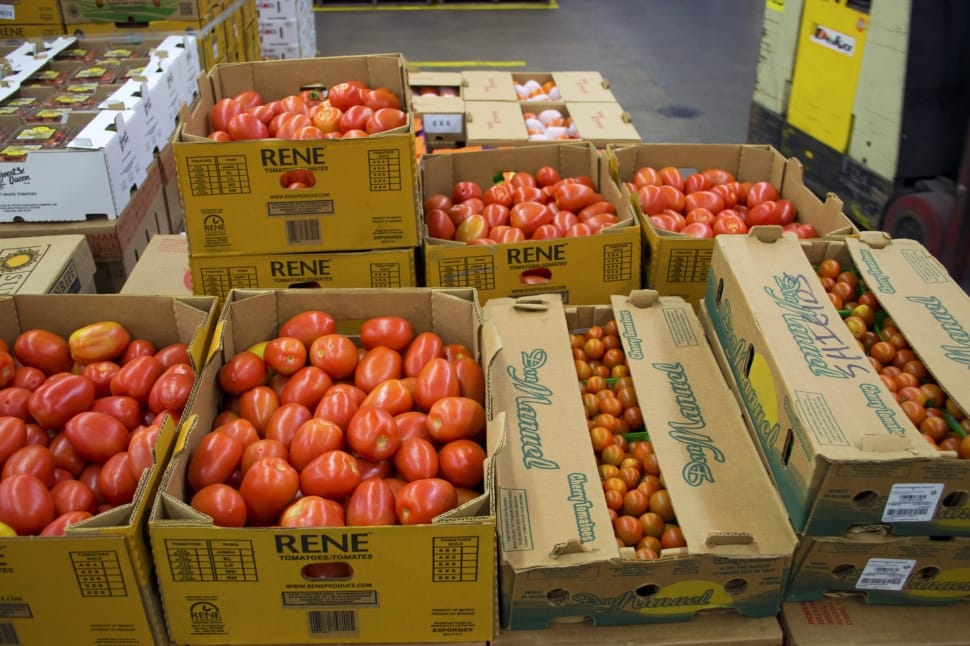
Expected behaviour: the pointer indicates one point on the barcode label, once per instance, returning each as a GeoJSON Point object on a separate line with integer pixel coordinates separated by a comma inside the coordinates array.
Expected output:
{"type": "Point", "coordinates": [885, 574]}
{"type": "Point", "coordinates": [8, 634]}
{"type": "Point", "coordinates": [300, 231]}
{"type": "Point", "coordinates": [912, 503]}
{"type": "Point", "coordinates": [329, 622]}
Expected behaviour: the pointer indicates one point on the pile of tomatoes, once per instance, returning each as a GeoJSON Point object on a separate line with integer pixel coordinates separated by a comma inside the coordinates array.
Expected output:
{"type": "Point", "coordinates": [79, 419]}
{"type": "Point", "coordinates": [940, 419]}
{"type": "Point", "coordinates": [522, 206]}
{"type": "Point", "coordinates": [317, 430]}
{"type": "Point", "coordinates": [344, 111]}
{"type": "Point", "coordinates": [711, 202]}
{"type": "Point", "coordinates": [639, 502]}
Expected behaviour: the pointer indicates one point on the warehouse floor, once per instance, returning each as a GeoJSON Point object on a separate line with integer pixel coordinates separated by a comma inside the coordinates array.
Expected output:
{"type": "Point", "coordinates": [684, 70]}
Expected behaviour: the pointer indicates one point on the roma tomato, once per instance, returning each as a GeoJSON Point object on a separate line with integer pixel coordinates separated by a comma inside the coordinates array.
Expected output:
{"type": "Point", "coordinates": [380, 97]}
{"type": "Point", "coordinates": [59, 525]}
{"type": "Point", "coordinates": [137, 348]}
{"type": "Point", "coordinates": [137, 377]}
{"type": "Point", "coordinates": [463, 190]}
{"type": "Point", "coordinates": [312, 511]}
{"type": "Point", "coordinates": [72, 495]}
{"type": "Point", "coordinates": [43, 349]}
{"type": "Point", "coordinates": [760, 192]}
{"type": "Point", "coordinates": [419, 501]}
{"type": "Point", "coordinates": [763, 213]}
{"type": "Point", "coordinates": [141, 449]}
{"type": "Point", "coordinates": [471, 378]}
{"type": "Point", "coordinates": [439, 224]}
{"type": "Point", "coordinates": [33, 459]}
{"type": "Point", "coordinates": [306, 386]}
{"type": "Point", "coordinates": [372, 434]}
{"type": "Point", "coordinates": [285, 354]}
{"type": "Point", "coordinates": [60, 398]}
{"type": "Point", "coordinates": [355, 118]}
{"type": "Point", "coordinates": [224, 504]}
{"type": "Point", "coordinates": [412, 424]}
{"type": "Point", "coordinates": [335, 354]}
{"type": "Point", "coordinates": [170, 392]}
{"type": "Point", "coordinates": [222, 113]}
{"type": "Point", "coordinates": [262, 448]}
{"type": "Point", "coordinates": [25, 504]}
{"type": "Point", "coordinates": [65, 457]}
{"type": "Point", "coordinates": [308, 325]}
{"type": "Point", "coordinates": [371, 503]}
{"type": "Point", "coordinates": [116, 480]}
{"type": "Point", "coordinates": [239, 428]}
{"type": "Point", "coordinates": [425, 347]}
{"type": "Point", "coordinates": [327, 118]}
{"type": "Point", "coordinates": [258, 405]}
{"type": "Point", "coordinates": [344, 95]}
{"type": "Point", "coordinates": [437, 379]}
{"type": "Point", "coordinates": [268, 486]}
{"type": "Point", "coordinates": [313, 438]}
{"type": "Point", "coordinates": [101, 341]}
{"type": "Point", "coordinates": [243, 371]}
{"type": "Point", "coordinates": [27, 377]}
{"type": "Point", "coordinates": [462, 463]}
{"type": "Point", "coordinates": [13, 435]}
{"type": "Point", "coordinates": [284, 421]}
{"type": "Point", "coordinates": [100, 373]}
{"type": "Point", "coordinates": [394, 332]}
{"type": "Point", "coordinates": [529, 216]}
{"type": "Point", "coordinates": [415, 459]}
{"type": "Point", "coordinates": [96, 436]}
{"type": "Point", "coordinates": [698, 230]}
{"type": "Point", "coordinates": [337, 407]}
{"type": "Point", "coordinates": [392, 395]}
{"type": "Point", "coordinates": [452, 418]}
{"type": "Point", "coordinates": [125, 409]}
{"type": "Point", "coordinates": [378, 364]}
{"type": "Point", "coordinates": [332, 474]}
{"type": "Point", "coordinates": [384, 119]}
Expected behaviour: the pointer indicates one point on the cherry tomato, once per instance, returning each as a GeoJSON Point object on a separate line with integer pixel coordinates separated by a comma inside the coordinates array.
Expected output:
{"type": "Point", "coordinates": [371, 503]}
{"type": "Point", "coordinates": [332, 474]}
{"type": "Point", "coordinates": [101, 341]}
{"type": "Point", "coordinates": [312, 511]}
{"type": "Point", "coordinates": [59, 398]}
{"type": "Point", "coordinates": [452, 418]}
{"type": "Point", "coordinates": [223, 503]}
{"type": "Point", "coordinates": [268, 486]}
{"type": "Point", "coordinates": [25, 504]}
{"type": "Point", "coordinates": [43, 349]}
{"type": "Point", "coordinates": [419, 501]}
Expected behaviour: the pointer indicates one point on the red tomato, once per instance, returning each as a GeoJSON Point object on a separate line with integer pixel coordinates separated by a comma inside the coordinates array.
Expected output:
{"type": "Point", "coordinates": [239, 428]}
{"type": "Point", "coordinates": [116, 480]}
{"type": "Point", "coordinates": [100, 373]}
{"type": "Point", "coordinates": [284, 421]}
{"type": "Point", "coordinates": [717, 176]}
{"type": "Point", "coordinates": [294, 103]}
{"type": "Point", "coordinates": [373, 434]}
{"type": "Point", "coordinates": [246, 126]}
{"type": "Point", "coordinates": [268, 486]}
{"type": "Point", "coordinates": [13, 435]}
{"type": "Point", "coordinates": [394, 332]}
{"type": "Point", "coordinates": [646, 176]}
{"type": "Point", "coordinates": [422, 349]}
{"type": "Point", "coordinates": [574, 196]}
{"type": "Point", "coordinates": [65, 457]}
{"type": "Point", "coordinates": [709, 200]}
{"type": "Point", "coordinates": [58, 526]}
{"type": "Point", "coordinates": [334, 354]}
{"type": "Point", "coordinates": [651, 198]}
{"type": "Point", "coordinates": [471, 378]}
{"type": "Point", "coordinates": [671, 176]}
{"type": "Point", "coordinates": [306, 386]}
{"type": "Point", "coordinates": [33, 460]}
{"type": "Point", "coordinates": [170, 392]}
{"type": "Point", "coordinates": [472, 228]}
{"type": "Point", "coordinates": [696, 182]}
{"type": "Point", "coordinates": [415, 459]}
{"type": "Point", "coordinates": [344, 95]}
{"type": "Point", "coordinates": [354, 134]}
{"type": "Point", "coordinates": [312, 511]}
{"type": "Point", "coordinates": [327, 118]}
{"type": "Point", "coordinates": [125, 409]}
{"type": "Point", "coordinates": [437, 379]}
{"type": "Point", "coordinates": [137, 377]}
{"type": "Point", "coordinates": [43, 349]}
{"type": "Point", "coordinates": [806, 231]}
{"type": "Point", "coordinates": [141, 449]}
{"type": "Point", "coordinates": [729, 196]}
{"type": "Point", "coordinates": [137, 348]}
{"type": "Point", "coordinates": [497, 194]}
{"type": "Point", "coordinates": [101, 341]}
{"type": "Point", "coordinates": [222, 113]}
{"type": "Point", "coordinates": [785, 211]}
{"type": "Point", "coordinates": [337, 407]}
{"type": "Point", "coordinates": [264, 113]}
{"type": "Point", "coordinates": [371, 503]}
{"type": "Point", "coordinates": [96, 436]}
{"type": "Point", "coordinates": [452, 418]}
{"type": "Point", "coordinates": [603, 206]}
{"type": "Point", "coordinates": [285, 354]}
{"type": "Point", "coordinates": [439, 224]}
{"type": "Point", "coordinates": [505, 233]}
{"type": "Point", "coordinates": [663, 221]}
{"type": "Point", "coordinates": [221, 502]}
{"type": "Point", "coordinates": [385, 119]}
{"type": "Point", "coordinates": [729, 223]}
{"type": "Point", "coordinates": [419, 501]}
{"type": "Point", "coordinates": [59, 398]}
{"type": "Point", "coordinates": [313, 438]}
{"type": "Point", "coordinates": [462, 463]}
{"type": "Point", "coordinates": [760, 192]}
{"type": "Point", "coordinates": [332, 474]}
{"type": "Point", "coordinates": [700, 214]}
{"type": "Point", "coordinates": [380, 97]}
{"type": "Point", "coordinates": [219, 135]}
{"type": "Point", "coordinates": [392, 395]}
{"type": "Point", "coordinates": [248, 98]}
{"type": "Point", "coordinates": [13, 402]}
{"type": "Point", "coordinates": [463, 190]}
{"type": "Point", "coordinates": [258, 405]}
{"type": "Point", "coordinates": [36, 434]}
{"type": "Point", "coordinates": [437, 201]}
{"type": "Point", "coordinates": [530, 194]}
{"type": "Point", "coordinates": [308, 325]}
{"type": "Point", "coordinates": [698, 230]}
{"type": "Point", "coordinates": [214, 460]}
{"type": "Point", "coordinates": [355, 118]}
{"type": "Point", "coordinates": [26, 505]}
{"type": "Point", "coordinates": [763, 213]}
{"type": "Point", "coordinates": [547, 176]}
{"type": "Point", "coordinates": [27, 377]}
{"type": "Point", "coordinates": [262, 448]}
{"type": "Point", "coordinates": [307, 132]}
{"type": "Point", "coordinates": [72, 495]}
{"type": "Point", "coordinates": [412, 423]}
{"type": "Point", "coordinates": [529, 216]}
{"type": "Point", "coordinates": [243, 371]}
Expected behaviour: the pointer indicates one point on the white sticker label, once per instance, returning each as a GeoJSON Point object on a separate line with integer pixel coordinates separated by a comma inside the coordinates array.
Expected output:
{"type": "Point", "coordinates": [912, 503]}
{"type": "Point", "coordinates": [442, 124]}
{"type": "Point", "coordinates": [7, 12]}
{"type": "Point", "coordinates": [885, 574]}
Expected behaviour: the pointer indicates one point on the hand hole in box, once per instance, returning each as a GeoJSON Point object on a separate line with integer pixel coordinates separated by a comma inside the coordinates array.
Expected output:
{"type": "Point", "coordinates": [845, 571]}
{"type": "Point", "coordinates": [865, 499]}
{"type": "Point", "coordinates": [327, 570]}
{"type": "Point", "coordinates": [298, 178]}
{"type": "Point", "coordinates": [647, 590]}
{"type": "Point", "coordinates": [557, 596]}
{"type": "Point", "coordinates": [537, 276]}
{"type": "Point", "coordinates": [955, 499]}
{"type": "Point", "coordinates": [736, 587]}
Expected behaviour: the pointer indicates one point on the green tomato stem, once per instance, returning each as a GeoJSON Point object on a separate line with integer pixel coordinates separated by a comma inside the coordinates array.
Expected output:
{"type": "Point", "coordinates": [953, 424]}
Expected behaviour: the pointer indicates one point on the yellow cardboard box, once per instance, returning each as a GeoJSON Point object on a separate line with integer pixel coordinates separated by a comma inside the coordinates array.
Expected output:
{"type": "Point", "coordinates": [95, 583]}
{"type": "Point", "coordinates": [582, 270]}
{"type": "Point", "coordinates": [363, 193]}
{"type": "Point", "coordinates": [121, 11]}
{"type": "Point", "coordinates": [32, 12]}
{"type": "Point", "coordinates": [676, 264]}
{"type": "Point", "coordinates": [412, 584]}
{"type": "Point", "coordinates": [15, 33]}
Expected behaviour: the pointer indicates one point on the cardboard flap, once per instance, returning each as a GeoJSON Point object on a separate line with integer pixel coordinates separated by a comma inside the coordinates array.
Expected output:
{"type": "Point", "coordinates": [603, 122]}
{"type": "Point", "coordinates": [883, 444]}
{"type": "Point", "coordinates": [583, 86]}
{"type": "Point", "coordinates": [494, 123]}
{"type": "Point", "coordinates": [487, 85]}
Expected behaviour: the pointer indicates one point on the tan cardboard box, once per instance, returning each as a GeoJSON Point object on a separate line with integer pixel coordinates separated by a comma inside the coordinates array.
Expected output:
{"type": "Point", "coordinates": [96, 583]}
{"type": "Point", "coordinates": [572, 86]}
{"type": "Point", "coordinates": [414, 583]}
{"type": "Point", "coordinates": [57, 264]}
{"type": "Point", "coordinates": [442, 115]}
{"type": "Point", "coordinates": [676, 264]}
{"type": "Point", "coordinates": [583, 270]}
{"type": "Point", "coordinates": [363, 190]}
{"type": "Point", "coordinates": [850, 621]}
{"type": "Point", "coordinates": [382, 268]}
{"type": "Point", "coordinates": [839, 448]}
{"type": "Point", "coordinates": [502, 123]}
{"type": "Point", "coordinates": [558, 555]}
{"type": "Point", "coordinates": [163, 268]}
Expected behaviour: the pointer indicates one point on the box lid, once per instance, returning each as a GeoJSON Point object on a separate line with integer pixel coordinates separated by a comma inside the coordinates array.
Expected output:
{"type": "Point", "coordinates": [487, 85]}
{"type": "Point", "coordinates": [603, 123]}
{"type": "Point", "coordinates": [494, 123]}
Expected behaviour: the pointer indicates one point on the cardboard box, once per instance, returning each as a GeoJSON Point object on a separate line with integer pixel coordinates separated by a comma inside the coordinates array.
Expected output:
{"type": "Point", "coordinates": [676, 264]}
{"type": "Point", "coordinates": [116, 243]}
{"type": "Point", "coordinates": [399, 591]}
{"type": "Point", "coordinates": [170, 188]}
{"type": "Point", "coordinates": [852, 622]}
{"type": "Point", "coordinates": [300, 9]}
{"type": "Point", "coordinates": [933, 312]}
{"type": "Point", "coordinates": [839, 448]}
{"type": "Point", "coordinates": [711, 629]}
{"type": "Point", "coordinates": [558, 555]}
{"type": "Point", "coordinates": [16, 32]}
{"type": "Point", "coordinates": [36, 12]}
{"type": "Point", "coordinates": [572, 86]}
{"type": "Point", "coordinates": [364, 195]}
{"type": "Point", "coordinates": [442, 115]}
{"type": "Point", "coordinates": [381, 268]}
{"type": "Point", "coordinates": [162, 268]}
{"type": "Point", "coordinates": [582, 270]}
{"type": "Point", "coordinates": [122, 11]}
{"type": "Point", "coordinates": [882, 569]}
{"type": "Point", "coordinates": [208, 35]}
{"type": "Point", "coordinates": [58, 264]}
{"type": "Point", "coordinates": [496, 123]}
{"type": "Point", "coordinates": [95, 583]}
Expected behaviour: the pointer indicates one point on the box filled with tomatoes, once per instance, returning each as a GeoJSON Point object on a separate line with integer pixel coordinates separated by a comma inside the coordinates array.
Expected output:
{"type": "Point", "coordinates": [684, 194]}
{"type": "Point", "coordinates": [519, 221]}
{"type": "Point", "coordinates": [625, 457]}
{"type": "Point", "coordinates": [93, 388]}
{"type": "Point", "coordinates": [312, 489]}
{"type": "Point", "coordinates": [839, 408]}
{"type": "Point", "coordinates": [307, 157]}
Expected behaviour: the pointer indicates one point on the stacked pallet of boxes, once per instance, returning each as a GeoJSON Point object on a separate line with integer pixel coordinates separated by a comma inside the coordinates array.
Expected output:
{"type": "Point", "coordinates": [286, 212]}
{"type": "Point", "coordinates": [286, 29]}
{"type": "Point", "coordinates": [20, 20]}
{"type": "Point", "coordinates": [881, 512]}
{"type": "Point", "coordinates": [98, 111]}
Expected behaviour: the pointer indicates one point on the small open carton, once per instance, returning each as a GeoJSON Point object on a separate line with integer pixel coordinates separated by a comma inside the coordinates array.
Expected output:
{"type": "Point", "coordinates": [558, 555]}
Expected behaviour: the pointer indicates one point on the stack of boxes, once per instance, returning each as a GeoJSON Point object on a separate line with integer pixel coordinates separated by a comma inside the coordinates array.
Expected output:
{"type": "Point", "coordinates": [286, 29]}
{"type": "Point", "coordinates": [23, 19]}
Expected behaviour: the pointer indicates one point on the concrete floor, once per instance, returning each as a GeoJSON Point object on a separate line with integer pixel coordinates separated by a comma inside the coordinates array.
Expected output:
{"type": "Point", "coordinates": [684, 70]}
